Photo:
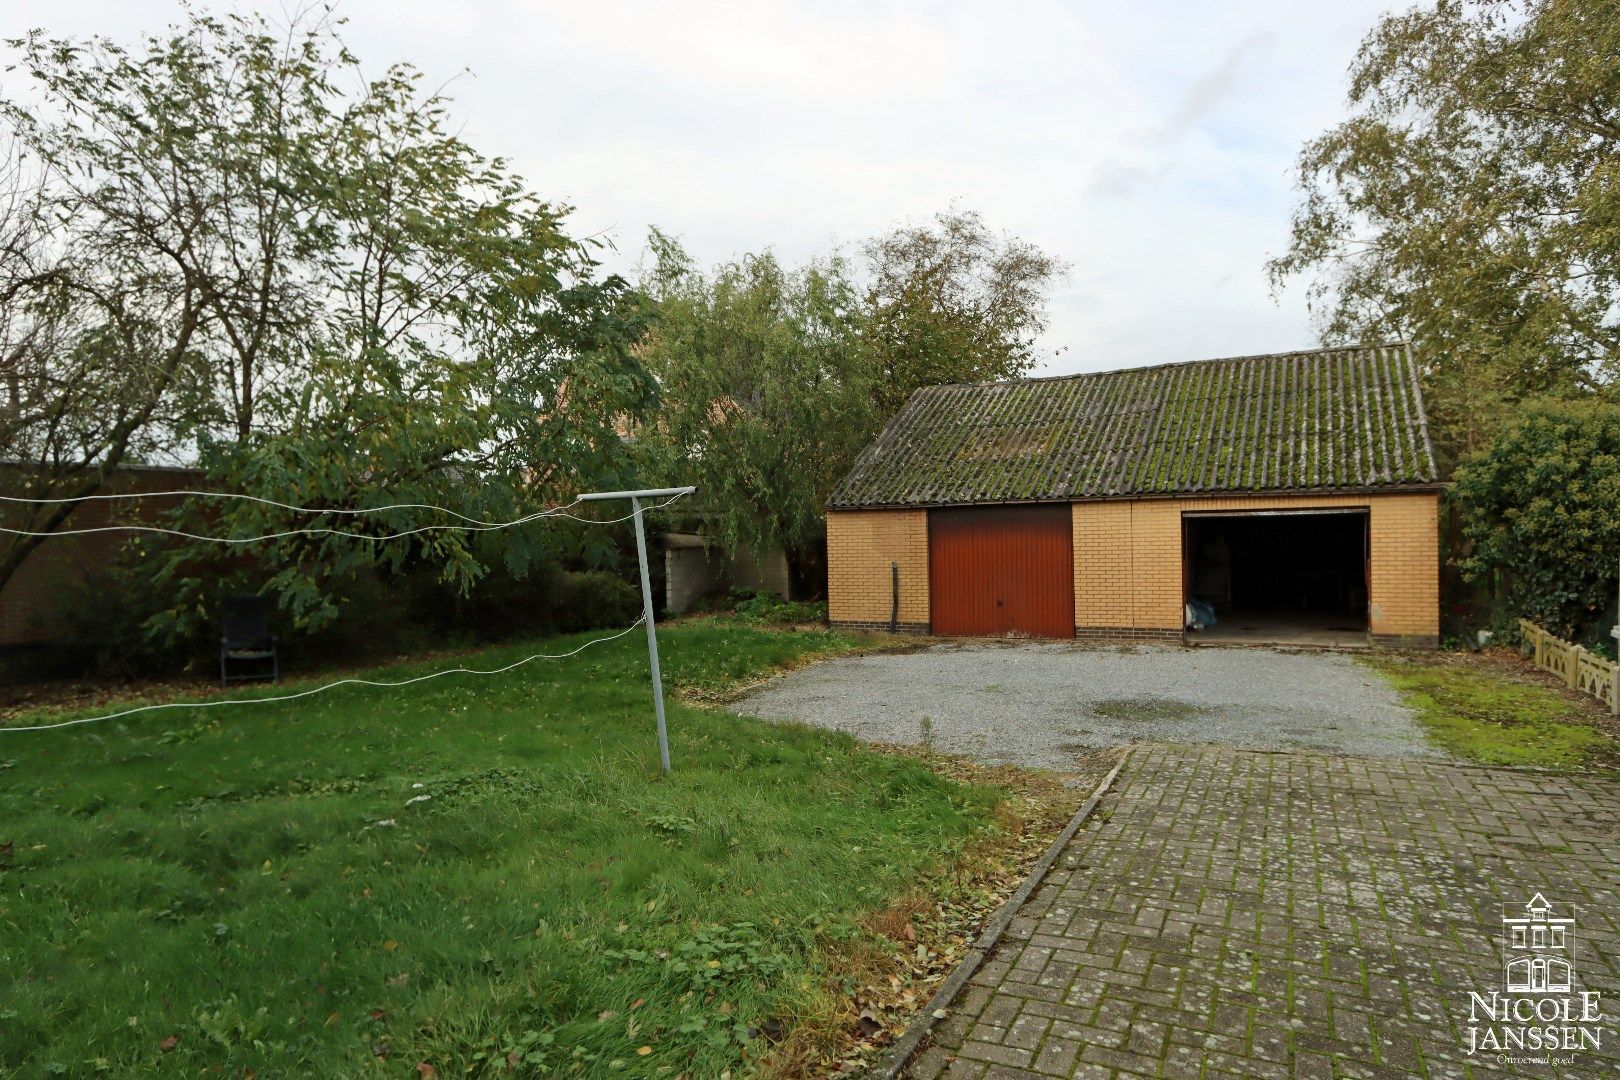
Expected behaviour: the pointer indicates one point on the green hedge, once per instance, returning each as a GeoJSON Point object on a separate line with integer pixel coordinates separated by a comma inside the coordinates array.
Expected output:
{"type": "Point", "coordinates": [1540, 517]}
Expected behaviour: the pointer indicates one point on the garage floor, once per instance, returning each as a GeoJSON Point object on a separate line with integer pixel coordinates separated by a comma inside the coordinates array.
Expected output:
{"type": "Point", "coordinates": [1040, 703]}
{"type": "Point", "coordinates": [1281, 628]}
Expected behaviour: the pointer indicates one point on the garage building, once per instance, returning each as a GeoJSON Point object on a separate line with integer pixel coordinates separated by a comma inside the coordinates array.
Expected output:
{"type": "Point", "coordinates": [1290, 497]}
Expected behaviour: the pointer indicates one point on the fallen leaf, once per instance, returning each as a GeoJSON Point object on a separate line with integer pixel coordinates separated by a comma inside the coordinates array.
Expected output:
{"type": "Point", "coordinates": [330, 1020]}
{"type": "Point", "coordinates": [725, 1008]}
{"type": "Point", "coordinates": [638, 1003]}
{"type": "Point", "coordinates": [401, 979]}
{"type": "Point", "coordinates": [169, 1044]}
{"type": "Point", "coordinates": [606, 1014]}
{"type": "Point", "coordinates": [390, 945]}
{"type": "Point", "coordinates": [643, 1050]}
{"type": "Point", "coordinates": [426, 1071]}
{"type": "Point", "coordinates": [377, 1014]}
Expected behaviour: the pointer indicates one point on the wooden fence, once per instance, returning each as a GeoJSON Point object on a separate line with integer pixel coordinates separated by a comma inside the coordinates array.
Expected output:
{"type": "Point", "coordinates": [1579, 668]}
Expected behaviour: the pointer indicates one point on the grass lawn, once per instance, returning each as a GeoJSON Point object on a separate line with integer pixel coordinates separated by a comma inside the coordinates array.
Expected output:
{"type": "Point", "coordinates": [473, 875]}
{"type": "Point", "coordinates": [1496, 711]}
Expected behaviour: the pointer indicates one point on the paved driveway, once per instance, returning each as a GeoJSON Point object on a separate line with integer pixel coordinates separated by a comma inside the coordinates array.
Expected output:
{"type": "Point", "coordinates": [1040, 703]}
{"type": "Point", "coordinates": [1247, 915]}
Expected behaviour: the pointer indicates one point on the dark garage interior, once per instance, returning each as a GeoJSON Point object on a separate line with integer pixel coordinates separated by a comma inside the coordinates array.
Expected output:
{"type": "Point", "coordinates": [1294, 577]}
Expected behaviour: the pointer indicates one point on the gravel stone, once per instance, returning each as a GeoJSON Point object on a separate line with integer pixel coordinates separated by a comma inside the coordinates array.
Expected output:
{"type": "Point", "coordinates": [1041, 703]}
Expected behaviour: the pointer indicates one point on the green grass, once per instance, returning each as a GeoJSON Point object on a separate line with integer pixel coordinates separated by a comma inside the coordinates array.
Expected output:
{"type": "Point", "coordinates": [258, 883]}
{"type": "Point", "coordinates": [1485, 716]}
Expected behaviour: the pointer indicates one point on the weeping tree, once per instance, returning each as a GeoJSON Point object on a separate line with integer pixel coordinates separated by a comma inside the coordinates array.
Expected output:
{"type": "Point", "coordinates": [766, 393]}
{"type": "Point", "coordinates": [1471, 204]}
{"type": "Point", "coordinates": [948, 300]}
{"type": "Point", "coordinates": [773, 378]}
{"type": "Point", "coordinates": [247, 255]}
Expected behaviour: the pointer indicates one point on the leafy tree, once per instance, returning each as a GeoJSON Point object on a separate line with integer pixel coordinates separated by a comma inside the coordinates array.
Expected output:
{"type": "Point", "coordinates": [1541, 514]}
{"type": "Point", "coordinates": [948, 301]}
{"type": "Point", "coordinates": [773, 378]}
{"type": "Point", "coordinates": [766, 392]}
{"type": "Point", "coordinates": [1471, 204]}
{"type": "Point", "coordinates": [310, 283]}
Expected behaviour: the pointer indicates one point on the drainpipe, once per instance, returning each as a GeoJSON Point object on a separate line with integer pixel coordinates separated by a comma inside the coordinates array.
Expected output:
{"type": "Point", "coordinates": [894, 609]}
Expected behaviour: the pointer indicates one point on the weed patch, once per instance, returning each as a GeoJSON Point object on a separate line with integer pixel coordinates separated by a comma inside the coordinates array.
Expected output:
{"type": "Point", "coordinates": [1485, 714]}
{"type": "Point", "coordinates": [1148, 710]}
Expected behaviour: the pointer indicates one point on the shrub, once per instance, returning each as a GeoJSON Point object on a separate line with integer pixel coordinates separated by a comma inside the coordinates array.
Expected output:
{"type": "Point", "coordinates": [767, 607]}
{"type": "Point", "coordinates": [109, 633]}
{"type": "Point", "coordinates": [1540, 514]}
{"type": "Point", "coordinates": [593, 599]}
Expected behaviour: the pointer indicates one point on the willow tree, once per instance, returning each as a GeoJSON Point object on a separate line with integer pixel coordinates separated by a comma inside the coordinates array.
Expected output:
{"type": "Point", "coordinates": [766, 392]}
{"type": "Point", "coordinates": [948, 300]}
{"type": "Point", "coordinates": [1471, 204]}
{"type": "Point", "coordinates": [774, 377]}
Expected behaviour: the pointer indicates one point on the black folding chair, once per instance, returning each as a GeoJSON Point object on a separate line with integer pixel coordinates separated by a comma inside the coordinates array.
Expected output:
{"type": "Point", "coordinates": [246, 640]}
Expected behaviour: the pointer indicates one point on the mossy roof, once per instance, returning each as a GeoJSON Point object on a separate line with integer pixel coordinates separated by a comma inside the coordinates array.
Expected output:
{"type": "Point", "coordinates": [1326, 419]}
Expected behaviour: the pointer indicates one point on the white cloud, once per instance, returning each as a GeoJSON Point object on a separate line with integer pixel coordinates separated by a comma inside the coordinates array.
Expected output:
{"type": "Point", "coordinates": [1149, 145]}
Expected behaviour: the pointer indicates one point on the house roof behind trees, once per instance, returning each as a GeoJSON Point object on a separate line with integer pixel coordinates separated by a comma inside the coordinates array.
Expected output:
{"type": "Point", "coordinates": [1322, 420]}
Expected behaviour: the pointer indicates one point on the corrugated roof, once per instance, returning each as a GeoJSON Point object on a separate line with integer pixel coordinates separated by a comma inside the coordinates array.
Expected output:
{"type": "Point", "coordinates": [1326, 419]}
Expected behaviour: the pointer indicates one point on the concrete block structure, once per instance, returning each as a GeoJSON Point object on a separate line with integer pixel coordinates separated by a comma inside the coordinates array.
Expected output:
{"type": "Point", "coordinates": [696, 566]}
{"type": "Point", "coordinates": [1290, 497]}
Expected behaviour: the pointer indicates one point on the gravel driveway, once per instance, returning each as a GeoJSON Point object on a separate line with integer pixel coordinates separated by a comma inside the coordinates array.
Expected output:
{"type": "Point", "coordinates": [1040, 703]}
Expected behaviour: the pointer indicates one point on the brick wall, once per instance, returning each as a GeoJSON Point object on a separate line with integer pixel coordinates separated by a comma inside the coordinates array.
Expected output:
{"type": "Point", "coordinates": [1127, 572]}
{"type": "Point", "coordinates": [861, 545]}
{"type": "Point", "coordinates": [35, 604]}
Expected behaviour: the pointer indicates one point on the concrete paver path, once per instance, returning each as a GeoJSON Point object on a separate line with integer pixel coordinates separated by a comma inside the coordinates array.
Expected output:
{"type": "Point", "coordinates": [1235, 914]}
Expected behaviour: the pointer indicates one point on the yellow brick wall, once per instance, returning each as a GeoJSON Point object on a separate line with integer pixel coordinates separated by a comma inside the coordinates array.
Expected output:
{"type": "Point", "coordinates": [860, 546]}
{"type": "Point", "coordinates": [1127, 571]}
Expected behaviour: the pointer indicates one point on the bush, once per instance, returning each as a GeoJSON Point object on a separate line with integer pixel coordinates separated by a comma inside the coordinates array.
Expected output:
{"type": "Point", "coordinates": [1540, 512]}
{"type": "Point", "coordinates": [594, 599]}
{"type": "Point", "coordinates": [380, 613]}
{"type": "Point", "coordinates": [767, 607]}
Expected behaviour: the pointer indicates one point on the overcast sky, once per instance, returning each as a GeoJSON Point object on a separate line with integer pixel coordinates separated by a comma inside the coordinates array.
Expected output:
{"type": "Point", "coordinates": [1149, 144]}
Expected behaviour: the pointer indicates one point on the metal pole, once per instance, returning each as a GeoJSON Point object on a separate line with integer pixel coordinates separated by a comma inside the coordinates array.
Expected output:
{"type": "Point", "coordinates": [652, 632]}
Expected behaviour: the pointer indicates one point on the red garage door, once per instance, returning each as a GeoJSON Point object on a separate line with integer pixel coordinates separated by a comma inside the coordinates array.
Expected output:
{"type": "Point", "coordinates": [1000, 570]}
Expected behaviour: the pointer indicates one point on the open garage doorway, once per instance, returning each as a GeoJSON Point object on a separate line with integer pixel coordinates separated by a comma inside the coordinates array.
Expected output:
{"type": "Point", "coordinates": [1281, 577]}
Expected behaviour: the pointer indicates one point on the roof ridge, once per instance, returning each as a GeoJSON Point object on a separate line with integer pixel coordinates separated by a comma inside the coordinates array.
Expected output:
{"type": "Point", "coordinates": [1396, 343]}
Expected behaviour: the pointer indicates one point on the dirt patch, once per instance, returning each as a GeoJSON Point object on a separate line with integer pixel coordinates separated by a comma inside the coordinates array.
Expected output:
{"type": "Point", "coordinates": [881, 980]}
